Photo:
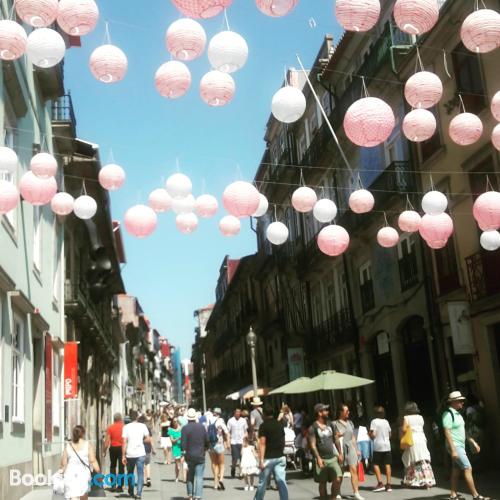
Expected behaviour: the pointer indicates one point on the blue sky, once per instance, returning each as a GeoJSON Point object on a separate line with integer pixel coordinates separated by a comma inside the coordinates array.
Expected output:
{"type": "Point", "coordinates": [173, 274]}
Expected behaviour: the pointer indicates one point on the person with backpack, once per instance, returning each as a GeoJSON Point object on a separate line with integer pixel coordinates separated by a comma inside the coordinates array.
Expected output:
{"type": "Point", "coordinates": [327, 451]}
{"type": "Point", "coordinates": [218, 439]}
{"type": "Point", "coordinates": [455, 435]}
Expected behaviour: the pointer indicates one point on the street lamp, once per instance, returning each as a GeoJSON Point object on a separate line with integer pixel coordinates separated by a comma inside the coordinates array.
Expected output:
{"type": "Point", "coordinates": [252, 341]}
{"type": "Point", "coordinates": [203, 374]}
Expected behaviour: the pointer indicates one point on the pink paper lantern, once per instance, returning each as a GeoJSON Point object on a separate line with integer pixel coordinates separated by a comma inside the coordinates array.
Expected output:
{"type": "Point", "coordinates": [388, 237]}
{"type": "Point", "coordinates": [423, 90]}
{"type": "Point", "coordinates": [480, 31]}
{"type": "Point", "coordinates": [357, 15]}
{"type": "Point", "coordinates": [9, 196]}
{"type": "Point", "coordinates": [186, 39]}
{"type": "Point", "coordinates": [495, 106]}
{"type": "Point", "coordinates": [495, 137]}
{"type": "Point", "coordinates": [217, 88]}
{"type": "Point", "coordinates": [361, 201]}
{"type": "Point", "coordinates": [140, 221]}
{"type": "Point", "coordinates": [466, 129]}
{"type": "Point", "coordinates": [229, 225]}
{"type": "Point", "coordinates": [173, 79]}
{"type": "Point", "coordinates": [241, 199]}
{"type": "Point", "coordinates": [43, 165]}
{"type": "Point", "coordinates": [35, 190]}
{"type": "Point", "coordinates": [186, 223]}
{"type": "Point", "coordinates": [108, 64]}
{"type": "Point", "coordinates": [409, 221]}
{"type": "Point", "coordinates": [437, 244]}
{"type": "Point", "coordinates": [333, 240]}
{"type": "Point", "coordinates": [276, 8]}
{"type": "Point", "coordinates": [62, 203]}
{"type": "Point", "coordinates": [369, 122]}
{"type": "Point", "coordinates": [201, 8]}
{"type": "Point", "coordinates": [486, 211]}
{"type": "Point", "coordinates": [436, 227]}
{"type": "Point", "coordinates": [160, 201]}
{"type": "Point", "coordinates": [111, 177]}
{"type": "Point", "coordinates": [419, 125]}
{"type": "Point", "coordinates": [77, 17]}
{"type": "Point", "coordinates": [37, 13]}
{"type": "Point", "coordinates": [416, 16]}
{"type": "Point", "coordinates": [13, 40]}
{"type": "Point", "coordinates": [303, 199]}
{"type": "Point", "coordinates": [206, 206]}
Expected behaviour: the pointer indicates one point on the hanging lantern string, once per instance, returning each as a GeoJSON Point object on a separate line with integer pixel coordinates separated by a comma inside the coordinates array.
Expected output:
{"type": "Point", "coordinates": [84, 189]}
{"type": "Point", "coordinates": [431, 183]}
{"type": "Point", "coordinates": [360, 182]}
{"type": "Point", "coordinates": [275, 213]}
{"type": "Point", "coordinates": [462, 104]}
{"type": "Point", "coordinates": [385, 219]}
{"type": "Point", "coordinates": [327, 121]}
{"type": "Point", "coordinates": [482, 3]}
{"type": "Point", "coordinates": [445, 64]}
{"type": "Point", "coordinates": [418, 61]}
{"type": "Point", "coordinates": [489, 186]}
{"type": "Point", "coordinates": [364, 90]}
{"type": "Point", "coordinates": [409, 205]}
{"type": "Point", "coordinates": [226, 20]}
{"type": "Point", "coordinates": [107, 35]}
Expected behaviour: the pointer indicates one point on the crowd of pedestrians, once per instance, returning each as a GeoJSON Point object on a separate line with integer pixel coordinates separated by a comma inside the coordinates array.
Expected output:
{"type": "Point", "coordinates": [329, 447]}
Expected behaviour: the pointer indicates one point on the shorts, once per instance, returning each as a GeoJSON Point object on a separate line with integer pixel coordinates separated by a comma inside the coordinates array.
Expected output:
{"type": "Point", "coordinates": [218, 449]}
{"type": "Point", "coordinates": [329, 472]}
{"type": "Point", "coordinates": [462, 462]}
{"type": "Point", "coordinates": [147, 460]}
{"type": "Point", "coordinates": [165, 443]}
{"type": "Point", "coordinates": [382, 458]}
{"type": "Point", "coordinates": [236, 452]}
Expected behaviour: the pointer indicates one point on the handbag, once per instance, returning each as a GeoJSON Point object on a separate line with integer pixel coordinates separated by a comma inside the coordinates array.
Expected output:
{"type": "Point", "coordinates": [95, 490]}
{"type": "Point", "coordinates": [361, 472]}
{"type": "Point", "coordinates": [407, 438]}
{"type": "Point", "coordinates": [58, 484]}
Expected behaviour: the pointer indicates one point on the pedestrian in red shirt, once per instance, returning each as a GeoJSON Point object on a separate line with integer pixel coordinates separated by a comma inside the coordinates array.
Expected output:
{"type": "Point", "coordinates": [114, 442]}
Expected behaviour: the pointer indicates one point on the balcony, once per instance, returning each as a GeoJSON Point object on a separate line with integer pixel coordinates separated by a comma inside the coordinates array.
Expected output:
{"type": "Point", "coordinates": [337, 329]}
{"type": "Point", "coordinates": [64, 123]}
{"type": "Point", "coordinates": [483, 270]}
{"type": "Point", "coordinates": [408, 271]}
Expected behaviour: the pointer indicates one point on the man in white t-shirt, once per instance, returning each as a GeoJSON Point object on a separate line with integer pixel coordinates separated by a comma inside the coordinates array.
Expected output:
{"type": "Point", "coordinates": [134, 436]}
{"type": "Point", "coordinates": [238, 430]}
{"type": "Point", "coordinates": [380, 432]}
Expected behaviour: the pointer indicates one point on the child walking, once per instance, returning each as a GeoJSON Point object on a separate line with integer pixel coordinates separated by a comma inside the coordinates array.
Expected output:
{"type": "Point", "coordinates": [380, 432]}
{"type": "Point", "coordinates": [248, 465]}
{"type": "Point", "coordinates": [175, 435]}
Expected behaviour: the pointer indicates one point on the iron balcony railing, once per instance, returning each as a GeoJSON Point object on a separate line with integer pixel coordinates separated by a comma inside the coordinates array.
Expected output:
{"type": "Point", "coordinates": [63, 111]}
{"type": "Point", "coordinates": [335, 330]}
{"type": "Point", "coordinates": [483, 272]}
{"type": "Point", "coordinates": [408, 271]}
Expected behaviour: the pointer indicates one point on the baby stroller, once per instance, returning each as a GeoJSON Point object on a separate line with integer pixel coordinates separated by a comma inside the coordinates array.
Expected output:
{"type": "Point", "coordinates": [290, 449]}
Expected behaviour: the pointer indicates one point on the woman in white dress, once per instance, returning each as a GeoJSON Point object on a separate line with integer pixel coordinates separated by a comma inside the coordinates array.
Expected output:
{"type": "Point", "coordinates": [416, 458]}
{"type": "Point", "coordinates": [77, 460]}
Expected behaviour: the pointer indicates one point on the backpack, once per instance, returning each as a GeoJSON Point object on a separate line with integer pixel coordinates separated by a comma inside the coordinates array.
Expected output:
{"type": "Point", "coordinates": [439, 424]}
{"type": "Point", "coordinates": [212, 434]}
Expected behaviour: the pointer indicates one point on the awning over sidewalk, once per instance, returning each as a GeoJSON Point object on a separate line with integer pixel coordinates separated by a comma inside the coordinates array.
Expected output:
{"type": "Point", "coordinates": [247, 393]}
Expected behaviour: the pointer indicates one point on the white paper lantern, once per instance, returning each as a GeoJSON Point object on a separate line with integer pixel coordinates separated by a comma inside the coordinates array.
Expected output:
{"type": "Point", "coordinates": [357, 15]}
{"type": "Point", "coordinates": [186, 222]}
{"type": "Point", "coordinates": [277, 233]}
{"type": "Point", "coordinates": [495, 106]}
{"type": "Point", "coordinates": [276, 8]}
{"type": "Point", "coordinates": [13, 39]}
{"type": "Point", "coordinates": [419, 125]}
{"type": "Point", "coordinates": [45, 47]}
{"type": "Point", "coordinates": [466, 129]}
{"type": "Point", "coordinates": [184, 205]}
{"type": "Point", "coordinates": [85, 207]}
{"type": "Point", "coordinates": [263, 206]}
{"type": "Point", "coordinates": [62, 203]}
{"type": "Point", "coordinates": [409, 221]}
{"type": "Point", "coordinates": [495, 137]}
{"type": "Point", "coordinates": [108, 63]}
{"type": "Point", "coordinates": [325, 210]}
{"type": "Point", "coordinates": [77, 17]}
{"type": "Point", "coordinates": [186, 39]}
{"type": "Point", "coordinates": [37, 13]}
{"type": "Point", "coordinates": [160, 201]}
{"type": "Point", "coordinates": [8, 160]}
{"type": "Point", "coordinates": [179, 185]}
{"type": "Point", "coordinates": [416, 16]}
{"type": "Point", "coordinates": [227, 51]}
{"type": "Point", "coordinates": [423, 90]}
{"type": "Point", "coordinates": [490, 240]}
{"type": "Point", "coordinates": [480, 31]}
{"type": "Point", "coordinates": [217, 88]}
{"type": "Point", "coordinates": [9, 196]}
{"type": "Point", "coordinates": [434, 203]}
{"type": "Point", "coordinates": [43, 165]}
{"type": "Point", "coordinates": [111, 177]}
{"type": "Point", "coordinates": [303, 199]}
{"type": "Point", "coordinates": [206, 206]}
{"type": "Point", "coordinates": [388, 237]}
{"type": "Point", "coordinates": [230, 225]}
{"type": "Point", "coordinates": [288, 104]}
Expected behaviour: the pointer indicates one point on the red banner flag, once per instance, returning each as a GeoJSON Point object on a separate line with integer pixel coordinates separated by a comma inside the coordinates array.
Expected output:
{"type": "Point", "coordinates": [70, 370]}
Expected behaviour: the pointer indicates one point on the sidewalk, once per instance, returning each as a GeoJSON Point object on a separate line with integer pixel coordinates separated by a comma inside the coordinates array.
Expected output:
{"type": "Point", "coordinates": [164, 488]}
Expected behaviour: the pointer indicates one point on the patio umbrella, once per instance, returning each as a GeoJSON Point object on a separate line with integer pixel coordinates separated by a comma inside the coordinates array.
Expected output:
{"type": "Point", "coordinates": [247, 393]}
{"type": "Point", "coordinates": [294, 387]}
{"type": "Point", "coordinates": [261, 391]}
{"type": "Point", "coordinates": [331, 380]}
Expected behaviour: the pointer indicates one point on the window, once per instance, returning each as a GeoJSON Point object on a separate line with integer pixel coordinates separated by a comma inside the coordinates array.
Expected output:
{"type": "Point", "coordinates": [429, 147]}
{"type": "Point", "coordinates": [56, 264]}
{"type": "Point", "coordinates": [325, 102]}
{"type": "Point", "coordinates": [37, 238]}
{"type": "Point", "coordinates": [18, 371]}
{"type": "Point", "coordinates": [366, 287]}
{"type": "Point", "coordinates": [447, 268]}
{"type": "Point", "coordinates": [308, 135]}
{"type": "Point", "coordinates": [56, 390]}
{"type": "Point", "coordinates": [10, 131]}
{"type": "Point", "coordinates": [469, 78]}
{"type": "Point", "coordinates": [407, 259]}
{"type": "Point", "coordinates": [301, 149]}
